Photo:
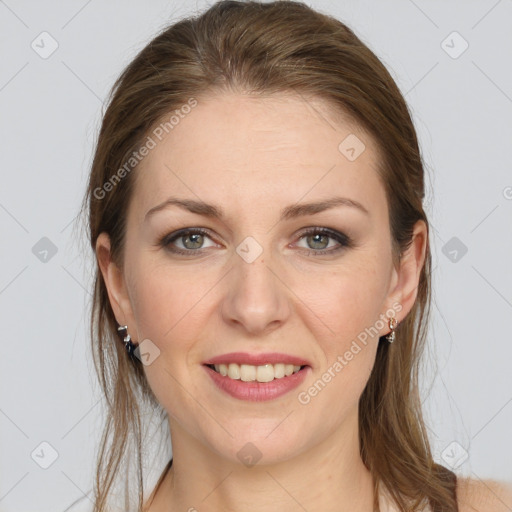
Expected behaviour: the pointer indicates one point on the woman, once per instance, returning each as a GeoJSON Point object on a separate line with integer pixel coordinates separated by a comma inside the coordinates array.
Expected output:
{"type": "Point", "coordinates": [255, 206]}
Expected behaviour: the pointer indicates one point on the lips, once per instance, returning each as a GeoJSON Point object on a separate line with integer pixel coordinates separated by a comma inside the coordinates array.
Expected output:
{"type": "Point", "coordinates": [257, 359]}
{"type": "Point", "coordinates": [257, 377]}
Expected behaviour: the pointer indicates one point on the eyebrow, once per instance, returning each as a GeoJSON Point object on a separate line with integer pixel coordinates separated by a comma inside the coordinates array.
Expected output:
{"type": "Point", "coordinates": [287, 213]}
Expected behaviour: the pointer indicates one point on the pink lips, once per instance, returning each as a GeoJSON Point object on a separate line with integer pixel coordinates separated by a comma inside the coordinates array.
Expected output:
{"type": "Point", "coordinates": [257, 391]}
{"type": "Point", "coordinates": [257, 359]}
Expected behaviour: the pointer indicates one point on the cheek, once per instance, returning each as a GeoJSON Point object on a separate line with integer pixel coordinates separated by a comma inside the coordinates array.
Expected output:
{"type": "Point", "coordinates": [165, 299]}
{"type": "Point", "coordinates": [168, 310]}
{"type": "Point", "coordinates": [350, 303]}
{"type": "Point", "coordinates": [348, 299]}
{"type": "Point", "coordinates": [351, 309]}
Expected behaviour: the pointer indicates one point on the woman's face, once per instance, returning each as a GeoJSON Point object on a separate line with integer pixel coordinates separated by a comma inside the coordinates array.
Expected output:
{"type": "Point", "coordinates": [270, 275]}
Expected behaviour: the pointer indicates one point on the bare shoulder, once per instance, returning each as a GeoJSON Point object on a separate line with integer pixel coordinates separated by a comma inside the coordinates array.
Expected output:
{"type": "Point", "coordinates": [484, 495]}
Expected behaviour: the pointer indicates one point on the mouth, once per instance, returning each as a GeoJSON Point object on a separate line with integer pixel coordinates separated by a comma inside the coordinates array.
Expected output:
{"type": "Point", "coordinates": [257, 376]}
{"type": "Point", "coordinates": [251, 373]}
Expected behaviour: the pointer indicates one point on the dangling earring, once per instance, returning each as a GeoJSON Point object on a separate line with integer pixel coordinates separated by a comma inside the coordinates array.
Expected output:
{"type": "Point", "coordinates": [122, 331]}
{"type": "Point", "coordinates": [392, 325]}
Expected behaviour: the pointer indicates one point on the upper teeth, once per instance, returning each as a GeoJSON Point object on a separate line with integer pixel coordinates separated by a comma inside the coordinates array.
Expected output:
{"type": "Point", "coordinates": [248, 372]}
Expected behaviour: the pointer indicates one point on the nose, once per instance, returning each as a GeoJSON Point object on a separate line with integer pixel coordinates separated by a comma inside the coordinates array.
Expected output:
{"type": "Point", "coordinates": [257, 300]}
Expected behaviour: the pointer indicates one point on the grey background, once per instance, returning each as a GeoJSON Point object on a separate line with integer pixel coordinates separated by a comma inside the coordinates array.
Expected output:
{"type": "Point", "coordinates": [50, 113]}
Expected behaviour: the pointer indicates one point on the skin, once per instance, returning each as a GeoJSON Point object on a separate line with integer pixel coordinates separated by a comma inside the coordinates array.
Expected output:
{"type": "Point", "coordinates": [253, 157]}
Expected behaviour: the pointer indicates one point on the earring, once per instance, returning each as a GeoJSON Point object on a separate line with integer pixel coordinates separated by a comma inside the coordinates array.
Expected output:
{"type": "Point", "coordinates": [122, 331]}
{"type": "Point", "coordinates": [392, 325]}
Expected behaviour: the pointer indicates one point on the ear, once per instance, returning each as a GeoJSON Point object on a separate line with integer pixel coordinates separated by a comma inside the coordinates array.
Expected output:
{"type": "Point", "coordinates": [404, 284]}
{"type": "Point", "coordinates": [114, 281]}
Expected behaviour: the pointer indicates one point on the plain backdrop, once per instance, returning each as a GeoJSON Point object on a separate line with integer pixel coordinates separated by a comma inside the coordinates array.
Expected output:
{"type": "Point", "coordinates": [451, 59]}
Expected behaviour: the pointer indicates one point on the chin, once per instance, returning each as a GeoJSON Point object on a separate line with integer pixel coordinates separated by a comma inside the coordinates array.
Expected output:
{"type": "Point", "coordinates": [259, 442]}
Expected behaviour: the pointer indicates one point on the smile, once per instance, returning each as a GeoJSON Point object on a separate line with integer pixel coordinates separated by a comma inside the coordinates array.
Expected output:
{"type": "Point", "coordinates": [250, 373]}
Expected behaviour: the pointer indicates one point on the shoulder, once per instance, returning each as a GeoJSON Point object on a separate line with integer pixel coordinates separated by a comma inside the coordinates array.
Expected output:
{"type": "Point", "coordinates": [484, 495]}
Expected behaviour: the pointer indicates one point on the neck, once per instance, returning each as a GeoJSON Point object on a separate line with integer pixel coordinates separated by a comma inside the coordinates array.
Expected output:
{"type": "Point", "coordinates": [329, 476]}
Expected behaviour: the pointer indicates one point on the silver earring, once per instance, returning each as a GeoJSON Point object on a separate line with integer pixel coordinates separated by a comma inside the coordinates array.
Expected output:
{"type": "Point", "coordinates": [122, 331]}
{"type": "Point", "coordinates": [392, 325]}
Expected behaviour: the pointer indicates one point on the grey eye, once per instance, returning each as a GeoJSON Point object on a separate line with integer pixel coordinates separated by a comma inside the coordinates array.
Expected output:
{"type": "Point", "coordinates": [317, 242]}
{"type": "Point", "coordinates": [193, 241]}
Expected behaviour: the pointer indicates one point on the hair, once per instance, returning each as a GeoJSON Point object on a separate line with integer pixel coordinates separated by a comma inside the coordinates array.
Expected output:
{"type": "Point", "coordinates": [262, 49]}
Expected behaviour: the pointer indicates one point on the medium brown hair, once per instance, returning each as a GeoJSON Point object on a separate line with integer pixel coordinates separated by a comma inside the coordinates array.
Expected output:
{"type": "Point", "coordinates": [266, 48]}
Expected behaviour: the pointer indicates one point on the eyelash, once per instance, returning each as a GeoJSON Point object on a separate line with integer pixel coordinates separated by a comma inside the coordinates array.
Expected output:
{"type": "Point", "coordinates": [344, 241]}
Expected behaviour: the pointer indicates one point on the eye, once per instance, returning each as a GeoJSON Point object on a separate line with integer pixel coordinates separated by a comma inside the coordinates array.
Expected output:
{"type": "Point", "coordinates": [317, 240]}
{"type": "Point", "coordinates": [192, 241]}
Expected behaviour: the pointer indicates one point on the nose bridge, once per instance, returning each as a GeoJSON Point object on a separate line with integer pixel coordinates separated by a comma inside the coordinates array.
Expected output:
{"type": "Point", "coordinates": [256, 298]}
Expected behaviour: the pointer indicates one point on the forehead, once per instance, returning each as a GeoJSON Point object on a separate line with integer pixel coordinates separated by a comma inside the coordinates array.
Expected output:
{"type": "Point", "coordinates": [235, 149]}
